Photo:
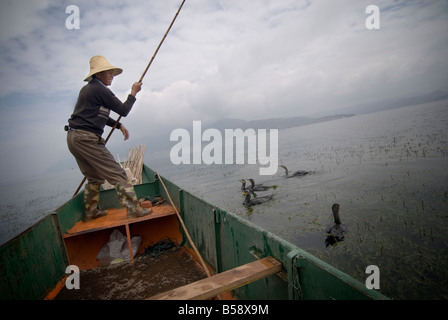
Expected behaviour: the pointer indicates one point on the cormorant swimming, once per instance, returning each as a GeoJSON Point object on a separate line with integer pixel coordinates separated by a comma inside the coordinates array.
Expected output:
{"type": "Point", "coordinates": [243, 184]}
{"type": "Point", "coordinates": [259, 187]}
{"type": "Point", "coordinates": [297, 173]}
{"type": "Point", "coordinates": [335, 232]}
{"type": "Point", "coordinates": [248, 202]}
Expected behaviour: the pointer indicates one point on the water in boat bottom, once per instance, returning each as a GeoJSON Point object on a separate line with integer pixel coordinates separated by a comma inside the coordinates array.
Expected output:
{"type": "Point", "coordinates": [387, 170]}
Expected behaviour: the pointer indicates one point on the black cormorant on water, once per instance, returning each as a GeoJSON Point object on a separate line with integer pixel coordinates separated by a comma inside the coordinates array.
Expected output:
{"type": "Point", "coordinates": [243, 185]}
{"type": "Point", "coordinates": [335, 233]}
{"type": "Point", "coordinates": [248, 202]}
{"type": "Point", "coordinates": [259, 187]}
{"type": "Point", "coordinates": [297, 173]}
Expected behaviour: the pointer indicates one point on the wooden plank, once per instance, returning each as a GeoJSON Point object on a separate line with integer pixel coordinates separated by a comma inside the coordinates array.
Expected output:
{"type": "Point", "coordinates": [223, 282]}
{"type": "Point", "coordinates": [115, 218]}
{"type": "Point", "coordinates": [128, 236]}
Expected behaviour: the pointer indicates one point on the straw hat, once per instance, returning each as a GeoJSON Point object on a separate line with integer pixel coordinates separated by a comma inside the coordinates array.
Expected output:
{"type": "Point", "coordinates": [99, 64]}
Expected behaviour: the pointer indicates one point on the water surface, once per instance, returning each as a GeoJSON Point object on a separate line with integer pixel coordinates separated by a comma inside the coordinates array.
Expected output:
{"type": "Point", "coordinates": [389, 173]}
{"type": "Point", "coordinates": [387, 170]}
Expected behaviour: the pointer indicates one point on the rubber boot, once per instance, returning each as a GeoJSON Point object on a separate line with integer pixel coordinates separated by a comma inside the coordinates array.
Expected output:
{"type": "Point", "coordinates": [91, 199]}
{"type": "Point", "coordinates": [128, 198]}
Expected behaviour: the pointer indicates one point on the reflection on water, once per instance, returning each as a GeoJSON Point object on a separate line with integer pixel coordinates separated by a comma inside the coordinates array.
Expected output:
{"type": "Point", "coordinates": [387, 170]}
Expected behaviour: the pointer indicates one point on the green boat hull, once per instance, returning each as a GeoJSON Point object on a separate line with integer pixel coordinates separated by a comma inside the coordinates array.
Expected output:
{"type": "Point", "coordinates": [34, 262]}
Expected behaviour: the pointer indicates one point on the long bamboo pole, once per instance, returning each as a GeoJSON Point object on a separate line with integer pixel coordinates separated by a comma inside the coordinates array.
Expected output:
{"type": "Point", "coordinates": [140, 80]}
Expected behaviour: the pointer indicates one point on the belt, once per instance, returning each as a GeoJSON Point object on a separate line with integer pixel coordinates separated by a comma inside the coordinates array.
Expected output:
{"type": "Point", "coordinates": [68, 128]}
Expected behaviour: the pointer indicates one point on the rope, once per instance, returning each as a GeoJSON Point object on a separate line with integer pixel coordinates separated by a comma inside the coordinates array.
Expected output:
{"type": "Point", "coordinates": [153, 252]}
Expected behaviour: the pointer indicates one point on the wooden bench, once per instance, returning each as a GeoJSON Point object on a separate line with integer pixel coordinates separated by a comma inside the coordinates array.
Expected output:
{"type": "Point", "coordinates": [223, 282]}
{"type": "Point", "coordinates": [115, 218]}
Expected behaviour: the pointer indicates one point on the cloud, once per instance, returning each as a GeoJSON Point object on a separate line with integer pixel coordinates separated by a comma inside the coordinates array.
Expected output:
{"type": "Point", "coordinates": [236, 59]}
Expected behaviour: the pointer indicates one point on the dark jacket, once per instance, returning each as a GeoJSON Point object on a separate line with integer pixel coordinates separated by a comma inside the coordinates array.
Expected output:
{"type": "Point", "coordinates": [94, 104]}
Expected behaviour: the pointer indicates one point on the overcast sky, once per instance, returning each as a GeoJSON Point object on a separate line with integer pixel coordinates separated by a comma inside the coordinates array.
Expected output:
{"type": "Point", "coordinates": [248, 59]}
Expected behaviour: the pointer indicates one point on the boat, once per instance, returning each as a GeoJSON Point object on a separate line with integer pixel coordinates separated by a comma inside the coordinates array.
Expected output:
{"type": "Point", "coordinates": [244, 261]}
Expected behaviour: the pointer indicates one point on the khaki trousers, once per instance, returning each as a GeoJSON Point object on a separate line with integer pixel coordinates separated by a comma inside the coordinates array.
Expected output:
{"type": "Point", "coordinates": [94, 160]}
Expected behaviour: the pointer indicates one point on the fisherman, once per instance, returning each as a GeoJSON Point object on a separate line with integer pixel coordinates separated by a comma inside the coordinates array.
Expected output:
{"type": "Point", "coordinates": [85, 128]}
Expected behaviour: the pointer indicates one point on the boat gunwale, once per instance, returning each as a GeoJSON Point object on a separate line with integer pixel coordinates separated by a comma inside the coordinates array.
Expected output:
{"type": "Point", "coordinates": [299, 253]}
{"type": "Point", "coordinates": [292, 256]}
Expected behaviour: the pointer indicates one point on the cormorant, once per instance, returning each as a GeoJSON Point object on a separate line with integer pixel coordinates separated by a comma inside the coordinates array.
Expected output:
{"type": "Point", "coordinates": [335, 232]}
{"type": "Point", "coordinates": [259, 187]}
{"type": "Point", "coordinates": [243, 184]}
{"type": "Point", "coordinates": [248, 202]}
{"type": "Point", "coordinates": [298, 173]}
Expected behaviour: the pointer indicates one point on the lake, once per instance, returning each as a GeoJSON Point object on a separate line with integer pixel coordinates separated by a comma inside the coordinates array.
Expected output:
{"type": "Point", "coordinates": [387, 170]}
{"type": "Point", "coordinates": [389, 173]}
